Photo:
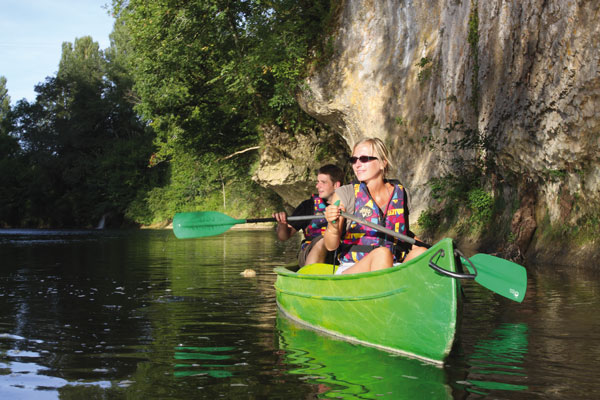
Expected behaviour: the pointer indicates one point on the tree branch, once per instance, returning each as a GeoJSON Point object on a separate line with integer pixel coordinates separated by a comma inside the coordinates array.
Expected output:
{"type": "Point", "coordinates": [240, 152]}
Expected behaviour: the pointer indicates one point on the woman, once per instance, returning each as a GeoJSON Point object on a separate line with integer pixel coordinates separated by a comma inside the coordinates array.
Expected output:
{"type": "Point", "coordinates": [383, 202]}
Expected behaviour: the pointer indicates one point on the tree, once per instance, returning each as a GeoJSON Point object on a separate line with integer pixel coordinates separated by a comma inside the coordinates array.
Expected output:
{"type": "Point", "coordinates": [10, 163]}
{"type": "Point", "coordinates": [208, 74]}
{"type": "Point", "coordinates": [86, 149]}
{"type": "Point", "coordinates": [4, 99]}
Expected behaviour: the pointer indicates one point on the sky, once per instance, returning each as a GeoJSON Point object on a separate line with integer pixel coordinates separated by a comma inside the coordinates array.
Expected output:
{"type": "Point", "coordinates": [32, 33]}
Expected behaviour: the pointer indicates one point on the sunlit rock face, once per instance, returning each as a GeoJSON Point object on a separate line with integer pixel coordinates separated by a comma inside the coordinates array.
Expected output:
{"type": "Point", "coordinates": [289, 163]}
{"type": "Point", "coordinates": [526, 77]}
{"type": "Point", "coordinates": [374, 87]}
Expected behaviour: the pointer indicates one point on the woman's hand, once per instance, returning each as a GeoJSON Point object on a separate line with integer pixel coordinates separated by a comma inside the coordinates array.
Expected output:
{"type": "Point", "coordinates": [333, 214]}
{"type": "Point", "coordinates": [333, 233]}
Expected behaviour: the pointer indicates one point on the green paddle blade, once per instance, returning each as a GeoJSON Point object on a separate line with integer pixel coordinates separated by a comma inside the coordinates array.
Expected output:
{"type": "Point", "coordinates": [189, 225]}
{"type": "Point", "coordinates": [499, 275]}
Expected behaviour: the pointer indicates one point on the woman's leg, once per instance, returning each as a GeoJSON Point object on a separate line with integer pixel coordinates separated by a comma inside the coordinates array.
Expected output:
{"type": "Point", "coordinates": [379, 258]}
{"type": "Point", "coordinates": [317, 252]}
{"type": "Point", "coordinates": [415, 251]}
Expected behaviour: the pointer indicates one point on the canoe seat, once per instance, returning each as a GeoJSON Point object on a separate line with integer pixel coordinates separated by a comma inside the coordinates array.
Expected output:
{"type": "Point", "coordinates": [318, 269]}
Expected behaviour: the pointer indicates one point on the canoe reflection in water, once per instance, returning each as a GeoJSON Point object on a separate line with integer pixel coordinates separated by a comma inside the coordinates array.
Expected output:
{"type": "Point", "coordinates": [196, 361]}
{"type": "Point", "coordinates": [341, 369]}
{"type": "Point", "coordinates": [497, 362]}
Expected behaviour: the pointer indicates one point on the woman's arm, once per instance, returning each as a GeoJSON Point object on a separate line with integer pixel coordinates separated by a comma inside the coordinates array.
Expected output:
{"type": "Point", "coordinates": [335, 222]}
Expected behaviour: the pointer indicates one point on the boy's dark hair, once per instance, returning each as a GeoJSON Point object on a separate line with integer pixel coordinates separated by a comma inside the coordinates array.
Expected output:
{"type": "Point", "coordinates": [335, 172]}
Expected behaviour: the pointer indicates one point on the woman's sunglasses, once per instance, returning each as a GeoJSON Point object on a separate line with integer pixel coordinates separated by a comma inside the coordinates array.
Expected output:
{"type": "Point", "coordinates": [363, 159]}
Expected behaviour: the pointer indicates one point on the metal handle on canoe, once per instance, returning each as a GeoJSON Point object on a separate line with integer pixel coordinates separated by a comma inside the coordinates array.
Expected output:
{"type": "Point", "coordinates": [452, 274]}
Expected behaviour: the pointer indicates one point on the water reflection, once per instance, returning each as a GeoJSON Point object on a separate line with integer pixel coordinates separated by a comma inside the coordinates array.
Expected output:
{"type": "Point", "coordinates": [142, 315]}
{"type": "Point", "coordinates": [497, 362]}
{"type": "Point", "coordinates": [340, 369]}
{"type": "Point", "coordinates": [21, 373]}
{"type": "Point", "coordinates": [196, 361]}
{"type": "Point", "coordinates": [86, 314]}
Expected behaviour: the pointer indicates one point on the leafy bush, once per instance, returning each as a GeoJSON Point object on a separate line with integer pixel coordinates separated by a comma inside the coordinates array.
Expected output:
{"type": "Point", "coordinates": [429, 220]}
{"type": "Point", "coordinates": [481, 204]}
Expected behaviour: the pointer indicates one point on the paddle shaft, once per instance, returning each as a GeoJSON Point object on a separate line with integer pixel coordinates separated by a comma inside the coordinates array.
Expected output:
{"type": "Point", "coordinates": [385, 230]}
{"type": "Point", "coordinates": [292, 218]}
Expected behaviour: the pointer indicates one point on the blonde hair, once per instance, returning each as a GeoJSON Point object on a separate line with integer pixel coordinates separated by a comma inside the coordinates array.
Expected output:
{"type": "Point", "coordinates": [380, 151]}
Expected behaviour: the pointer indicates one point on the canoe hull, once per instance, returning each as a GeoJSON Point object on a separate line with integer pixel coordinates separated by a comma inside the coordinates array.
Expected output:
{"type": "Point", "coordinates": [409, 309]}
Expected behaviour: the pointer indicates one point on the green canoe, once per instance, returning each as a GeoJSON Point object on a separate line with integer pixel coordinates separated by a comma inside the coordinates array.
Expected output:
{"type": "Point", "coordinates": [408, 309]}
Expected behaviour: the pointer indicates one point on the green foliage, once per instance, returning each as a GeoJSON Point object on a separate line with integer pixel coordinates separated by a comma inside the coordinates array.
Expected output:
{"type": "Point", "coordinates": [481, 204]}
{"type": "Point", "coordinates": [425, 70]}
{"type": "Point", "coordinates": [429, 220]}
{"type": "Point", "coordinates": [4, 99]}
{"type": "Point", "coordinates": [84, 150]}
{"type": "Point", "coordinates": [141, 129]}
{"type": "Point", "coordinates": [12, 166]}
{"type": "Point", "coordinates": [589, 223]}
{"type": "Point", "coordinates": [556, 174]}
{"type": "Point", "coordinates": [205, 183]}
{"type": "Point", "coordinates": [583, 231]}
{"type": "Point", "coordinates": [454, 187]}
{"type": "Point", "coordinates": [462, 204]}
{"type": "Point", "coordinates": [511, 238]}
{"type": "Point", "coordinates": [208, 74]}
{"type": "Point", "coordinates": [473, 152]}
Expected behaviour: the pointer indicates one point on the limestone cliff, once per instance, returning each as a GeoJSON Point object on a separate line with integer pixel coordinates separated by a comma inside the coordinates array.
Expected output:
{"type": "Point", "coordinates": [519, 76]}
{"type": "Point", "coordinates": [289, 163]}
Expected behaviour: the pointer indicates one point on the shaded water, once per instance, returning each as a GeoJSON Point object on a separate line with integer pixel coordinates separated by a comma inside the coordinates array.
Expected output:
{"type": "Point", "coordinates": [107, 314]}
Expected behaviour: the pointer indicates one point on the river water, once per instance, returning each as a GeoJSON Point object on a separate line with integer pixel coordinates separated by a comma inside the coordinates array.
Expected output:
{"type": "Point", "coordinates": [142, 315]}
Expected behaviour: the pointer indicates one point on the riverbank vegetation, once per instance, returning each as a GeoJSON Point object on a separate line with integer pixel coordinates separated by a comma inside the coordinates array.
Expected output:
{"type": "Point", "coordinates": [159, 122]}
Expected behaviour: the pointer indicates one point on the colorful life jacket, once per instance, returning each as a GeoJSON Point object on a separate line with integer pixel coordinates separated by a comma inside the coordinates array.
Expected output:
{"type": "Point", "coordinates": [360, 239]}
{"type": "Point", "coordinates": [317, 226]}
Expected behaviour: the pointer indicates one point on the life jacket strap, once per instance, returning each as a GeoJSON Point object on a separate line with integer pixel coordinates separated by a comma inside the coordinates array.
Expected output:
{"type": "Point", "coordinates": [358, 248]}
